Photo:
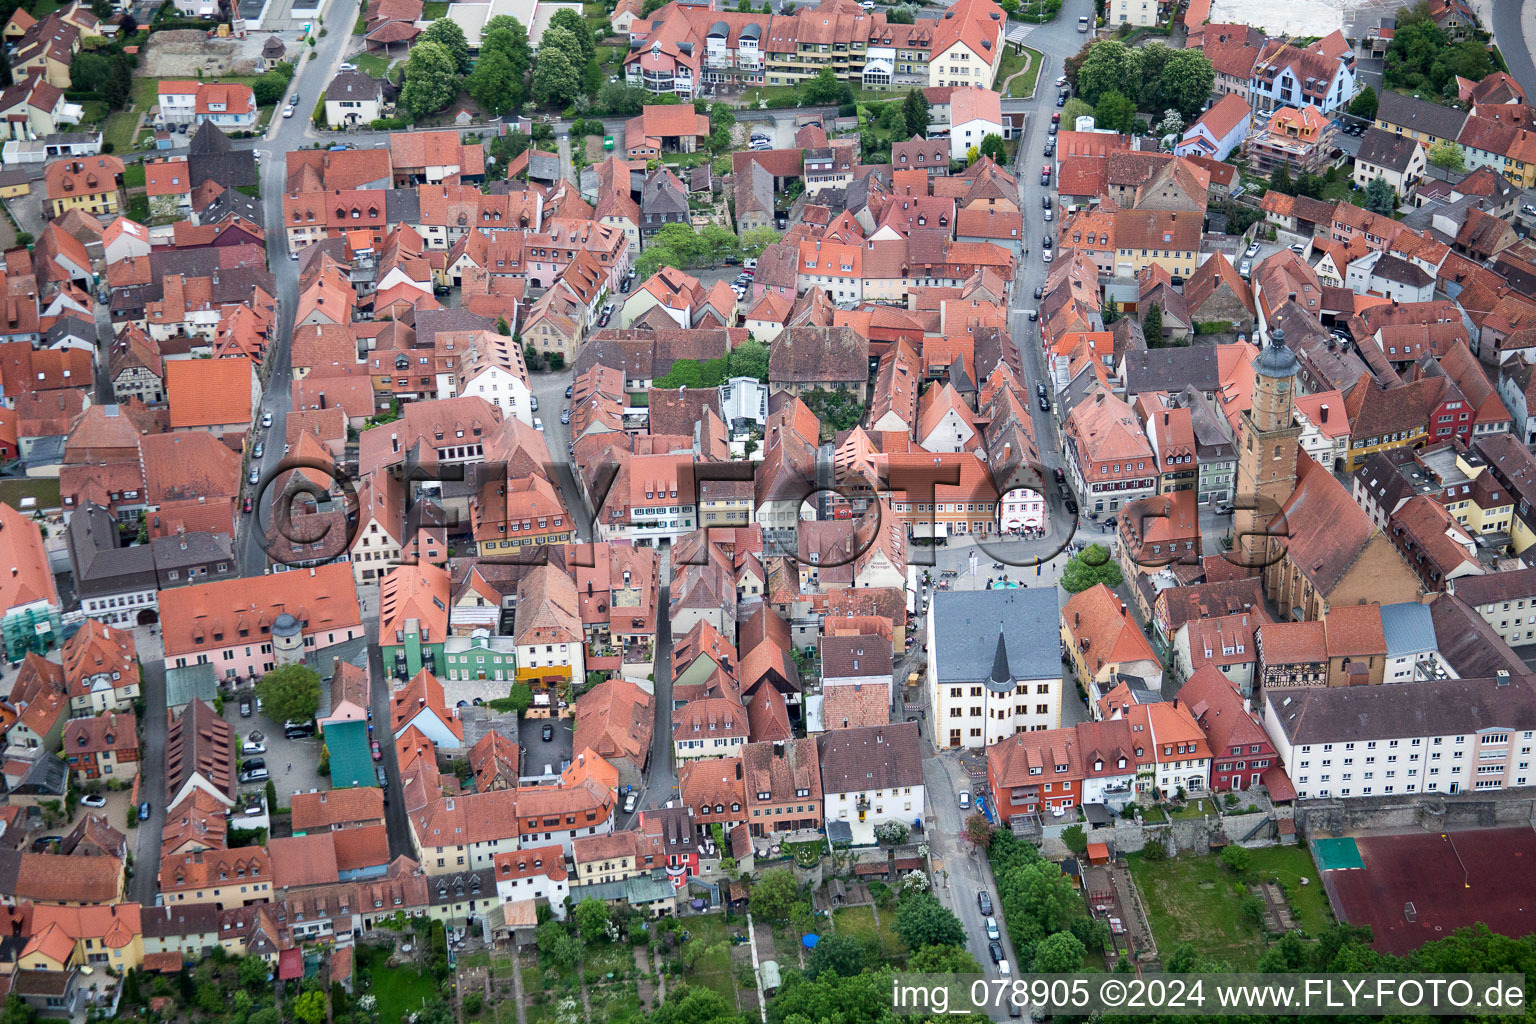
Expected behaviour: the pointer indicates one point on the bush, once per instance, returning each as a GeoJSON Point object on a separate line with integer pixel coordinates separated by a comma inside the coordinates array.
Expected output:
{"type": "Point", "coordinates": [1155, 851]}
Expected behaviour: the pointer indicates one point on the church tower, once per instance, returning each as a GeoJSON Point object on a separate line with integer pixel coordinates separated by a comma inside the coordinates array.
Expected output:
{"type": "Point", "coordinates": [1266, 456]}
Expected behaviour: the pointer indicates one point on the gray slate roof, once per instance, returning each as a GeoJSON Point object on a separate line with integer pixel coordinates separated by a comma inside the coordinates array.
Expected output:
{"type": "Point", "coordinates": [1440, 122]}
{"type": "Point", "coordinates": [1409, 628]}
{"type": "Point", "coordinates": [1386, 149]}
{"type": "Point", "coordinates": [967, 624]}
{"type": "Point", "coordinates": [1440, 707]}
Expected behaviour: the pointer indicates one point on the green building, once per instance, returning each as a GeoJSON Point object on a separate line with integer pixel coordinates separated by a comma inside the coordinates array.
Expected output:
{"type": "Point", "coordinates": [480, 656]}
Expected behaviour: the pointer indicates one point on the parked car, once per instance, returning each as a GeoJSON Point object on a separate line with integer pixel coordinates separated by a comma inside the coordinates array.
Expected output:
{"type": "Point", "coordinates": [254, 477]}
{"type": "Point", "coordinates": [1045, 404]}
{"type": "Point", "coordinates": [547, 733]}
{"type": "Point", "coordinates": [1253, 250]}
{"type": "Point", "coordinates": [1056, 117]}
{"type": "Point", "coordinates": [1034, 314]}
{"type": "Point", "coordinates": [568, 389]}
{"type": "Point", "coordinates": [93, 800]}
{"type": "Point", "coordinates": [965, 801]}
{"type": "Point", "coordinates": [255, 775]}
{"type": "Point", "coordinates": [1048, 215]}
{"type": "Point", "coordinates": [245, 506]}
{"type": "Point", "coordinates": [253, 764]}
{"type": "Point", "coordinates": [1038, 291]}
{"type": "Point", "coordinates": [630, 800]}
{"type": "Point", "coordinates": [1045, 257]}
{"type": "Point", "coordinates": [984, 901]}
{"type": "Point", "coordinates": [348, 66]}
{"type": "Point", "coordinates": [1045, 174]}
{"type": "Point", "coordinates": [565, 417]}
{"type": "Point", "coordinates": [1246, 268]}
{"type": "Point", "coordinates": [995, 951]}
{"type": "Point", "coordinates": [378, 752]}
{"type": "Point", "coordinates": [1040, 390]}
{"type": "Point", "coordinates": [992, 930]}
{"type": "Point", "coordinates": [288, 111]}
{"type": "Point", "coordinates": [378, 773]}
{"type": "Point", "coordinates": [250, 747]}
{"type": "Point", "coordinates": [144, 811]}
{"type": "Point", "coordinates": [538, 424]}
{"type": "Point", "coordinates": [245, 702]}
{"type": "Point", "coordinates": [258, 451]}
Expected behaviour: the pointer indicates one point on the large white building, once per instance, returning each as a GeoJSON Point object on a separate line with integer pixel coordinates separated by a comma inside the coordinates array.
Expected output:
{"type": "Point", "coordinates": [994, 664]}
{"type": "Point", "coordinates": [868, 776]}
{"type": "Point", "coordinates": [1435, 736]}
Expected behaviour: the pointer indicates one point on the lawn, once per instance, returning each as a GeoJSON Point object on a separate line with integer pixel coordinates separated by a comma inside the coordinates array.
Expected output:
{"type": "Point", "coordinates": [860, 922]}
{"type": "Point", "coordinates": [133, 176]}
{"type": "Point", "coordinates": [372, 64]}
{"type": "Point", "coordinates": [399, 990]}
{"type": "Point", "coordinates": [1197, 900]}
{"type": "Point", "coordinates": [119, 130]}
{"type": "Point", "coordinates": [713, 968]}
{"type": "Point", "coordinates": [1195, 809]}
{"type": "Point", "coordinates": [1290, 864]}
{"type": "Point", "coordinates": [1024, 85]}
{"type": "Point", "coordinates": [433, 11]}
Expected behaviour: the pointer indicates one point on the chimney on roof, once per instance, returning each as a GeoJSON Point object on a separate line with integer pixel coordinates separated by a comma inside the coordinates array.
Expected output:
{"type": "Point", "coordinates": [1324, 413]}
{"type": "Point", "coordinates": [1502, 677]}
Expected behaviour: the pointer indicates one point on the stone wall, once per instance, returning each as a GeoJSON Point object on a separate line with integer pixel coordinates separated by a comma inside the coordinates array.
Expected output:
{"type": "Point", "coordinates": [1185, 835]}
{"type": "Point", "coordinates": [1323, 818]}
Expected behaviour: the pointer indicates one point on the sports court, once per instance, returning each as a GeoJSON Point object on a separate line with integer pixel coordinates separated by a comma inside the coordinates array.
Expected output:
{"type": "Point", "coordinates": [1416, 888]}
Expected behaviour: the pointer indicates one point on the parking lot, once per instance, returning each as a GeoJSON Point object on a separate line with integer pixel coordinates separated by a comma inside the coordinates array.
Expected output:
{"type": "Point", "coordinates": [294, 765]}
{"type": "Point", "coordinates": [537, 752]}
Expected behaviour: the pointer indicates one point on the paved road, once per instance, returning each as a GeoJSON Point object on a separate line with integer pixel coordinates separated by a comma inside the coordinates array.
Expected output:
{"type": "Point", "coordinates": [1514, 30]}
{"type": "Point", "coordinates": [283, 135]}
{"type": "Point", "coordinates": [145, 884]}
{"type": "Point", "coordinates": [964, 871]}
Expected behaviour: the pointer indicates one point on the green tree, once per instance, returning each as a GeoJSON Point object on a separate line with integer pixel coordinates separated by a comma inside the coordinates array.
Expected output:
{"type": "Point", "coordinates": [556, 77]}
{"type": "Point", "coordinates": [1380, 197]}
{"type": "Point", "coordinates": [619, 100]}
{"type": "Point", "coordinates": [1236, 858]}
{"type": "Point", "coordinates": [1075, 840]}
{"type": "Point", "coordinates": [824, 88]}
{"type": "Point", "coordinates": [916, 112]}
{"type": "Point", "coordinates": [1364, 104]}
{"type": "Point", "coordinates": [309, 1007]}
{"type": "Point", "coordinates": [842, 954]}
{"type": "Point", "coordinates": [721, 121]}
{"type": "Point", "coordinates": [591, 918]}
{"type": "Point", "coordinates": [755, 241]}
{"type": "Point", "coordinates": [942, 960]}
{"type": "Point", "coordinates": [650, 7]}
{"type": "Point", "coordinates": [1060, 953]}
{"type": "Point", "coordinates": [923, 921]}
{"type": "Point", "coordinates": [89, 72]}
{"type": "Point", "coordinates": [771, 896]}
{"type": "Point", "coordinates": [254, 971]}
{"type": "Point", "coordinates": [1110, 66]}
{"type": "Point", "coordinates": [1090, 567]}
{"type": "Point", "coordinates": [268, 88]}
{"type": "Point", "coordinates": [992, 146]}
{"type": "Point", "coordinates": [17, 1011]}
{"type": "Point", "coordinates": [447, 34]}
{"type": "Point", "coordinates": [503, 328]}
{"type": "Point", "coordinates": [1115, 112]}
{"type": "Point", "coordinates": [688, 1004]}
{"type": "Point", "coordinates": [1186, 81]}
{"type": "Point", "coordinates": [290, 693]}
{"type": "Point", "coordinates": [515, 43]}
{"type": "Point", "coordinates": [571, 20]}
{"type": "Point", "coordinates": [1074, 109]}
{"type": "Point", "coordinates": [1446, 153]}
{"type": "Point", "coordinates": [1152, 325]}
{"type": "Point", "coordinates": [431, 79]}
{"type": "Point", "coordinates": [893, 120]}
{"type": "Point", "coordinates": [1154, 58]}
{"type": "Point", "coordinates": [1280, 181]}
{"type": "Point", "coordinates": [265, 1015]}
{"type": "Point", "coordinates": [493, 84]}
{"type": "Point", "coordinates": [119, 85]}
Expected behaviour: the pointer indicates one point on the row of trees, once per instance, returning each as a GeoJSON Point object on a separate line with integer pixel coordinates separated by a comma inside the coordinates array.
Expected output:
{"type": "Point", "coordinates": [440, 64]}
{"type": "Point", "coordinates": [1154, 77]}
